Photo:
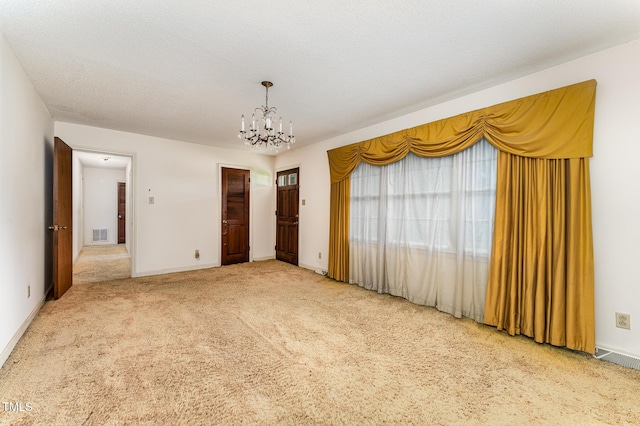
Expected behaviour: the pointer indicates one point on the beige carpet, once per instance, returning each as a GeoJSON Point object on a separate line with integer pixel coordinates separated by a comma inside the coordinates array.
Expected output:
{"type": "Point", "coordinates": [269, 343]}
{"type": "Point", "coordinates": [102, 263]}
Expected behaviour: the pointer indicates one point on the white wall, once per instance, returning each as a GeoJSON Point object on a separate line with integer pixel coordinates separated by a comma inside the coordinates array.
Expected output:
{"type": "Point", "coordinates": [614, 177]}
{"type": "Point", "coordinates": [82, 232]}
{"type": "Point", "coordinates": [100, 195]}
{"type": "Point", "coordinates": [313, 221]}
{"type": "Point", "coordinates": [77, 202]}
{"type": "Point", "coordinates": [26, 164]}
{"type": "Point", "coordinates": [129, 206]}
{"type": "Point", "coordinates": [184, 180]}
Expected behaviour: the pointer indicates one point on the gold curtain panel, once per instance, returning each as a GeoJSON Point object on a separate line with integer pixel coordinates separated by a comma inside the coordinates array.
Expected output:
{"type": "Point", "coordinates": [541, 273]}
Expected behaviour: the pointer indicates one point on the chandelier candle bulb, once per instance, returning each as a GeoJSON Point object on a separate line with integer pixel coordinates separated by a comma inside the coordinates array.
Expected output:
{"type": "Point", "coordinates": [280, 125]}
{"type": "Point", "coordinates": [243, 123]}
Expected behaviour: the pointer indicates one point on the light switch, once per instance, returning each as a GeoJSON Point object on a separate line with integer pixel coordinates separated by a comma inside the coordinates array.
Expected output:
{"type": "Point", "coordinates": [152, 200]}
{"type": "Point", "coordinates": [304, 202]}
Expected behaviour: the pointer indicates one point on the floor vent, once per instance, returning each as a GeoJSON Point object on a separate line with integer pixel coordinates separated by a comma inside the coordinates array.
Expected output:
{"type": "Point", "coordinates": [100, 235]}
{"type": "Point", "coordinates": [616, 358]}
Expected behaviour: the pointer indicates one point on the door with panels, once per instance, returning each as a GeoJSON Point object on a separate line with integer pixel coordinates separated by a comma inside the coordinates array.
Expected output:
{"type": "Point", "coordinates": [288, 186]}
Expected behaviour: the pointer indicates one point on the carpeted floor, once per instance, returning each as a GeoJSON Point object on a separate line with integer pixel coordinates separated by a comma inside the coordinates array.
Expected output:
{"type": "Point", "coordinates": [269, 343]}
{"type": "Point", "coordinates": [102, 263]}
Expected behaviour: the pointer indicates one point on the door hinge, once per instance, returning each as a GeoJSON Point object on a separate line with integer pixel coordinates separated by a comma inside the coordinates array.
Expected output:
{"type": "Point", "coordinates": [276, 212]}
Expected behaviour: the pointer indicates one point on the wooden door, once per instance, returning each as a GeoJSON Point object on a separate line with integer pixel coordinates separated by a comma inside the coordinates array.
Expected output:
{"type": "Point", "coordinates": [62, 219]}
{"type": "Point", "coordinates": [235, 216]}
{"type": "Point", "coordinates": [288, 185]}
{"type": "Point", "coordinates": [122, 208]}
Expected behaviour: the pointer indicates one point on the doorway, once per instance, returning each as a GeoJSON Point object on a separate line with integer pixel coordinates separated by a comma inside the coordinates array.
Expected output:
{"type": "Point", "coordinates": [103, 208]}
{"type": "Point", "coordinates": [288, 187]}
{"type": "Point", "coordinates": [235, 216]}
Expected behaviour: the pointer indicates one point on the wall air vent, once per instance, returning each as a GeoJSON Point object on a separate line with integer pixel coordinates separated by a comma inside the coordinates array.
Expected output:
{"type": "Point", "coordinates": [100, 235]}
{"type": "Point", "coordinates": [616, 358]}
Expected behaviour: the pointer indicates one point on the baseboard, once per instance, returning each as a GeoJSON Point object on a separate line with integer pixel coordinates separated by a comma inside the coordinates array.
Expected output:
{"type": "Point", "coordinates": [207, 266]}
{"type": "Point", "coordinates": [260, 259]}
{"type": "Point", "coordinates": [305, 266]}
{"type": "Point", "coordinates": [18, 334]}
{"type": "Point", "coordinates": [174, 270]}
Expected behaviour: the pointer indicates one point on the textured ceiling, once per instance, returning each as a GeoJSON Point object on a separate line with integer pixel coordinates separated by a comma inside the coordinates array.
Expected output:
{"type": "Point", "coordinates": [102, 161]}
{"type": "Point", "coordinates": [187, 69]}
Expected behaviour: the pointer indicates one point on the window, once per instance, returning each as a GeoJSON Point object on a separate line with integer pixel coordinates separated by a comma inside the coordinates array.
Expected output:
{"type": "Point", "coordinates": [427, 202]}
{"type": "Point", "coordinates": [421, 229]}
{"type": "Point", "coordinates": [288, 179]}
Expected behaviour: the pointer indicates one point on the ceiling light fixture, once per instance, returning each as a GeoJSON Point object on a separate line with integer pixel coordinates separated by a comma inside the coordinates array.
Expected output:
{"type": "Point", "coordinates": [262, 132]}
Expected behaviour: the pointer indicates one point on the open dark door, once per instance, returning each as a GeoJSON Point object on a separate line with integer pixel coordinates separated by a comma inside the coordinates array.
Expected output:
{"type": "Point", "coordinates": [235, 216]}
{"type": "Point", "coordinates": [122, 208]}
{"type": "Point", "coordinates": [62, 218]}
{"type": "Point", "coordinates": [288, 183]}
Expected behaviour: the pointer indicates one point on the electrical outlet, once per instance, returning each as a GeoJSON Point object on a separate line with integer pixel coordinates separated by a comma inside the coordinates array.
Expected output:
{"type": "Point", "coordinates": [152, 200]}
{"type": "Point", "coordinates": [197, 255]}
{"type": "Point", "coordinates": [28, 291]}
{"type": "Point", "coordinates": [623, 320]}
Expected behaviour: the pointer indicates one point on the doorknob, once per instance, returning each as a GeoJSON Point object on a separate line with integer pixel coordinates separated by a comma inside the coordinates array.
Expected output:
{"type": "Point", "coordinates": [119, 216]}
{"type": "Point", "coordinates": [224, 221]}
{"type": "Point", "coordinates": [57, 227]}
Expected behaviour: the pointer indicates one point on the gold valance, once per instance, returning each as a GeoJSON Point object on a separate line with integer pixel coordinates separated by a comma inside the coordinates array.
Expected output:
{"type": "Point", "coordinates": [521, 127]}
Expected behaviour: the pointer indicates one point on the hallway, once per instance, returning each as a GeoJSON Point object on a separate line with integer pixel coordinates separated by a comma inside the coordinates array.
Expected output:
{"type": "Point", "coordinates": [102, 263]}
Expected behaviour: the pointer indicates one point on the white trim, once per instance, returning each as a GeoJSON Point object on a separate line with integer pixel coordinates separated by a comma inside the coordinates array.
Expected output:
{"type": "Point", "coordinates": [309, 267]}
{"type": "Point", "coordinates": [174, 270]}
{"type": "Point", "coordinates": [192, 268]}
{"type": "Point", "coordinates": [18, 334]}
{"type": "Point", "coordinates": [294, 166]}
{"type": "Point", "coordinates": [260, 259]}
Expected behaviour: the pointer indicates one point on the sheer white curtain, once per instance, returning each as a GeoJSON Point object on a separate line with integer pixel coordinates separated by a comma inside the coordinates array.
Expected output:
{"type": "Point", "coordinates": [421, 229]}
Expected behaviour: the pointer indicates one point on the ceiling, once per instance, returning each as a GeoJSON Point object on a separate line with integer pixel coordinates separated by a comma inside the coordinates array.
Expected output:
{"type": "Point", "coordinates": [102, 161]}
{"type": "Point", "coordinates": [187, 70]}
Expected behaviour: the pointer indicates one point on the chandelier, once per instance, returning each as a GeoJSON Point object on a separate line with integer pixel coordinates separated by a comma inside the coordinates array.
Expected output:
{"type": "Point", "coordinates": [262, 132]}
